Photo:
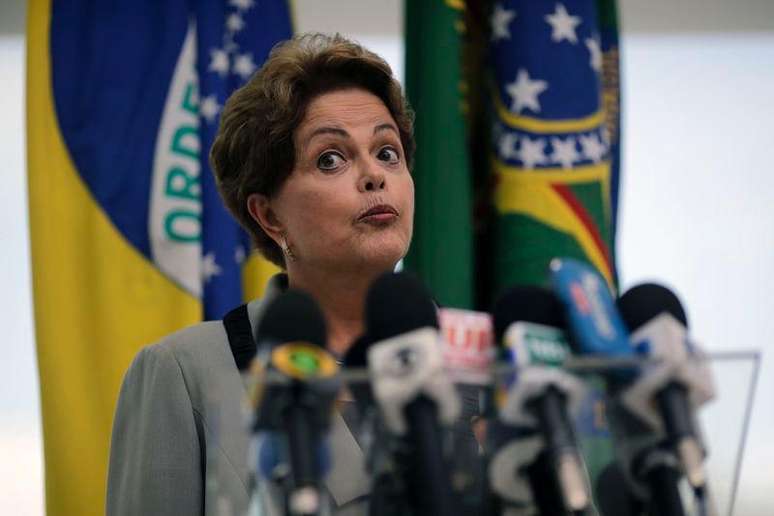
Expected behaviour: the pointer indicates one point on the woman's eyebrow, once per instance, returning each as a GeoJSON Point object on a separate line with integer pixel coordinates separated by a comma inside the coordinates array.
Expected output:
{"type": "Point", "coordinates": [328, 130]}
{"type": "Point", "coordinates": [385, 127]}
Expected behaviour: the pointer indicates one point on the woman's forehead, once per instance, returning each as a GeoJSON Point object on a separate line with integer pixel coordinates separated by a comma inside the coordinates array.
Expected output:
{"type": "Point", "coordinates": [343, 110]}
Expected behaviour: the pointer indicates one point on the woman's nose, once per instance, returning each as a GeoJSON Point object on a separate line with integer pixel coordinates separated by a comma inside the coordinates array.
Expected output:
{"type": "Point", "coordinates": [372, 180]}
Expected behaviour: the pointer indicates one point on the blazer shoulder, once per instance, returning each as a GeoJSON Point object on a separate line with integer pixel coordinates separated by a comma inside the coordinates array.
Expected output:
{"type": "Point", "coordinates": [205, 340]}
{"type": "Point", "coordinates": [203, 356]}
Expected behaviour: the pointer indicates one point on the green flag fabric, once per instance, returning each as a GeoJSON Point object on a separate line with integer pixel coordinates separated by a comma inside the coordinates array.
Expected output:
{"type": "Point", "coordinates": [442, 246]}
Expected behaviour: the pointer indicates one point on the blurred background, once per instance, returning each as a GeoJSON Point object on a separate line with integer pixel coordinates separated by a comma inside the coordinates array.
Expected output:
{"type": "Point", "coordinates": [696, 209]}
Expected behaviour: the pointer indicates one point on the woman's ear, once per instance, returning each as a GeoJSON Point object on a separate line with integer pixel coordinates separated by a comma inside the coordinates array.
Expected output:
{"type": "Point", "coordinates": [261, 210]}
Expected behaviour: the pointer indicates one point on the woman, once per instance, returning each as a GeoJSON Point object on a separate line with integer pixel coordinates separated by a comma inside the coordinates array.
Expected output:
{"type": "Point", "coordinates": [312, 157]}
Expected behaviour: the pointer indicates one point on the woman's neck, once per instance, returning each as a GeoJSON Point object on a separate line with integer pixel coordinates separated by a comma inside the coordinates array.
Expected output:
{"type": "Point", "coordinates": [342, 300]}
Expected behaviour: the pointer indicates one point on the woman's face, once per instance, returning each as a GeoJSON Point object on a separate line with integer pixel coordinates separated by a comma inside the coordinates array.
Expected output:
{"type": "Point", "coordinates": [349, 201]}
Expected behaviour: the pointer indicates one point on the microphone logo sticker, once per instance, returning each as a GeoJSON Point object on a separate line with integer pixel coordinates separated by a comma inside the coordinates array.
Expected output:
{"type": "Point", "coordinates": [303, 361]}
{"type": "Point", "coordinates": [579, 298]}
{"type": "Point", "coordinates": [591, 286]}
{"type": "Point", "coordinates": [546, 346]}
{"type": "Point", "coordinates": [404, 362]}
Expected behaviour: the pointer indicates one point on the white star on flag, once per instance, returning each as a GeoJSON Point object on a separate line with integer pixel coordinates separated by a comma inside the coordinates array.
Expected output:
{"type": "Point", "coordinates": [499, 21]}
{"type": "Point", "coordinates": [565, 152]}
{"type": "Point", "coordinates": [606, 137]}
{"type": "Point", "coordinates": [596, 53]}
{"type": "Point", "coordinates": [524, 92]}
{"type": "Point", "coordinates": [239, 254]}
{"type": "Point", "coordinates": [209, 267]}
{"type": "Point", "coordinates": [563, 25]}
{"type": "Point", "coordinates": [209, 108]}
{"type": "Point", "coordinates": [219, 61]}
{"type": "Point", "coordinates": [242, 5]}
{"type": "Point", "coordinates": [532, 152]}
{"type": "Point", "coordinates": [235, 23]}
{"type": "Point", "coordinates": [507, 145]}
{"type": "Point", "coordinates": [593, 149]}
{"type": "Point", "coordinates": [244, 66]}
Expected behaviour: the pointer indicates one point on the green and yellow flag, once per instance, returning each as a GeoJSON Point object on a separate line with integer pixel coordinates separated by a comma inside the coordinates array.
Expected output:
{"type": "Point", "coordinates": [551, 150]}
{"type": "Point", "coordinates": [540, 155]}
{"type": "Point", "coordinates": [129, 239]}
{"type": "Point", "coordinates": [517, 107]}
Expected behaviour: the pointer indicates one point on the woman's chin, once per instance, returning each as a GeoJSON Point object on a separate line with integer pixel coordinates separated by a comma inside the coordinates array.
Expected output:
{"type": "Point", "coordinates": [382, 255]}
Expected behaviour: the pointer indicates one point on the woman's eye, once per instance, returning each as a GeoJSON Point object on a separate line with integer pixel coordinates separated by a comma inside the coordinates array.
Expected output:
{"type": "Point", "coordinates": [389, 154]}
{"type": "Point", "coordinates": [330, 160]}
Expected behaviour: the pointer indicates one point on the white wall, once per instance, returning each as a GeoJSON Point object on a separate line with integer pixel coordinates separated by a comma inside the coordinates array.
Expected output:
{"type": "Point", "coordinates": [21, 468]}
{"type": "Point", "coordinates": [697, 207]}
{"type": "Point", "coordinates": [697, 211]}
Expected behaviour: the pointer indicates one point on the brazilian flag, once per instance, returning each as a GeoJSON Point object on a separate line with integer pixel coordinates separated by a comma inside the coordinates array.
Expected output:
{"type": "Point", "coordinates": [521, 145]}
{"type": "Point", "coordinates": [552, 146]}
{"type": "Point", "coordinates": [129, 239]}
{"type": "Point", "coordinates": [537, 83]}
{"type": "Point", "coordinates": [555, 151]}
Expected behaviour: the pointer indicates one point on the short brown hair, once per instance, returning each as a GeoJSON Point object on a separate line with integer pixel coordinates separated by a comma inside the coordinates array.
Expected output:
{"type": "Point", "coordinates": [253, 150]}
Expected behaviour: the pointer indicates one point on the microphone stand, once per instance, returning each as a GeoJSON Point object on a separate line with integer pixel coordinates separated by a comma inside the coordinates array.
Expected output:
{"type": "Point", "coordinates": [661, 470]}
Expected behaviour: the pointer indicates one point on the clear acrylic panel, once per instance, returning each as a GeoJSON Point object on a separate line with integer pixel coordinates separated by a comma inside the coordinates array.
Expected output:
{"type": "Point", "coordinates": [723, 422]}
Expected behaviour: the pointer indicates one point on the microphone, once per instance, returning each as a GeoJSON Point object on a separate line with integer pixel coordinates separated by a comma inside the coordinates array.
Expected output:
{"type": "Point", "coordinates": [614, 496]}
{"type": "Point", "coordinates": [468, 346]}
{"type": "Point", "coordinates": [669, 392]}
{"type": "Point", "coordinates": [415, 398]}
{"type": "Point", "coordinates": [540, 396]}
{"type": "Point", "coordinates": [293, 388]}
{"type": "Point", "coordinates": [385, 453]}
{"type": "Point", "coordinates": [597, 328]}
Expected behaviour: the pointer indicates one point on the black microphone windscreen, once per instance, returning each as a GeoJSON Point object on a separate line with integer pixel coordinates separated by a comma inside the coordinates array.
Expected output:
{"type": "Point", "coordinates": [643, 302]}
{"type": "Point", "coordinates": [293, 316]}
{"type": "Point", "coordinates": [357, 357]}
{"type": "Point", "coordinates": [528, 304]}
{"type": "Point", "coordinates": [613, 493]}
{"type": "Point", "coordinates": [398, 303]}
{"type": "Point", "coordinates": [356, 354]}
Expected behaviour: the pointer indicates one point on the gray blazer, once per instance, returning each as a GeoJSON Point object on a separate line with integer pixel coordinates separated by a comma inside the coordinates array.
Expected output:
{"type": "Point", "coordinates": [179, 444]}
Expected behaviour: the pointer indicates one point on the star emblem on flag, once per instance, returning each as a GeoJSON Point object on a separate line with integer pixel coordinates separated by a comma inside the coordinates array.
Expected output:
{"type": "Point", "coordinates": [235, 22]}
{"type": "Point", "coordinates": [239, 254]}
{"type": "Point", "coordinates": [565, 152]}
{"type": "Point", "coordinates": [595, 54]}
{"type": "Point", "coordinates": [210, 267]}
{"type": "Point", "coordinates": [209, 108]}
{"type": "Point", "coordinates": [242, 5]}
{"type": "Point", "coordinates": [524, 92]}
{"type": "Point", "coordinates": [563, 25]}
{"type": "Point", "coordinates": [593, 149]}
{"type": "Point", "coordinates": [244, 66]}
{"type": "Point", "coordinates": [499, 22]}
{"type": "Point", "coordinates": [507, 145]}
{"type": "Point", "coordinates": [219, 61]}
{"type": "Point", "coordinates": [532, 152]}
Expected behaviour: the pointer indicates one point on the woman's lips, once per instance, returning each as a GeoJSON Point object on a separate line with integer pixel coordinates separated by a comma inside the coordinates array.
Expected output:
{"type": "Point", "coordinates": [379, 214]}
